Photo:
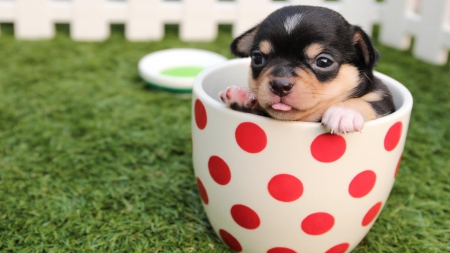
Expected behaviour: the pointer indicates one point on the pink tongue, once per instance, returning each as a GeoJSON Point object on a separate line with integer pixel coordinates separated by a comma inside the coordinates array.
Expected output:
{"type": "Point", "coordinates": [281, 107]}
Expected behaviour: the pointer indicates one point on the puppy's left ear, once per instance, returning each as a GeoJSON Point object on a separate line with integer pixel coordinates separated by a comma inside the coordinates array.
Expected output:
{"type": "Point", "coordinates": [366, 51]}
{"type": "Point", "coordinates": [242, 45]}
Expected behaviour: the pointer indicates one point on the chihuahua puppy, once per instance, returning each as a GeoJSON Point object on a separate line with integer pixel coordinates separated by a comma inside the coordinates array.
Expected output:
{"type": "Point", "coordinates": [309, 64]}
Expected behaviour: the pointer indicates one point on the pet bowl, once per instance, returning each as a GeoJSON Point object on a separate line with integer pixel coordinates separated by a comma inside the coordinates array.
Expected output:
{"type": "Point", "coordinates": [271, 186]}
{"type": "Point", "coordinates": [175, 69]}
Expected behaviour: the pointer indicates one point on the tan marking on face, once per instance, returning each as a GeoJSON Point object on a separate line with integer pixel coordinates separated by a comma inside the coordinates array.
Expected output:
{"type": "Point", "coordinates": [314, 92]}
{"type": "Point", "coordinates": [265, 47]}
{"type": "Point", "coordinates": [347, 79]}
{"type": "Point", "coordinates": [310, 97]}
{"type": "Point", "coordinates": [262, 86]}
{"type": "Point", "coordinates": [252, 83]}
{"type": "Point", "coordinates": [313, 50]}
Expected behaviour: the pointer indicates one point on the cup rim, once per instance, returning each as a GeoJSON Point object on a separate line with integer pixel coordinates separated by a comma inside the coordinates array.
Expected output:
{"type": "Point", "coordinates": [198, 90]}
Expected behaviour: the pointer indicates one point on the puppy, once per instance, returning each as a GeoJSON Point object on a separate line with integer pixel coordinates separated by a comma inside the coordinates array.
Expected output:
{"type": "Point", "coordinates": [309, 64]}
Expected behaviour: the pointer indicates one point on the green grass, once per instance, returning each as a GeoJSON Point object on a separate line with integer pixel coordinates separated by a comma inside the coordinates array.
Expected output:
{"type": "Point", "coordinates": [92, 160]}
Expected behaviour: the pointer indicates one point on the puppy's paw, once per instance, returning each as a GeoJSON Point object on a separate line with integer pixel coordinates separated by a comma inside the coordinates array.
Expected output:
{"type": "Point", "coordinates": [342, 120]}
{"type": "Point", "coordinates": [238, 98]}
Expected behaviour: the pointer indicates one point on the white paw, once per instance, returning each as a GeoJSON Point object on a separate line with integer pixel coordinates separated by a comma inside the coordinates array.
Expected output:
{"type": "Point", "coordinates": [238, 97]}
{"type": "Point", "coordinates": [341, 120]}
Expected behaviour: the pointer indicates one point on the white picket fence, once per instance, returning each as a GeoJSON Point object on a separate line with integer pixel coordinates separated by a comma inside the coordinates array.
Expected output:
{"type": "Point", "coordinates": [428, 21]}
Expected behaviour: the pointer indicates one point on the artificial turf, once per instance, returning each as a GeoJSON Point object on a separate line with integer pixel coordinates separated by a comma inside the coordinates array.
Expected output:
{"type": "Point", "coordinates": [92, 160]}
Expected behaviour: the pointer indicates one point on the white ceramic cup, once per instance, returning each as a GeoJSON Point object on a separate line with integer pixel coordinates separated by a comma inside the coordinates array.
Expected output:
{"type": "Point", "coordinates": [284, 187]}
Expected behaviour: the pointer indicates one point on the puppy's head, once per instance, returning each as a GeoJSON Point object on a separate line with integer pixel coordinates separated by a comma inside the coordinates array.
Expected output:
{"type": "Point", "coordinates": [303, 59]}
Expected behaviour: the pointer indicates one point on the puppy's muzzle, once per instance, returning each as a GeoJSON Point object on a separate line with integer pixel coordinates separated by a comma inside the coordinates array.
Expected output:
{"type": "Point", "coordinates": [281, 87]}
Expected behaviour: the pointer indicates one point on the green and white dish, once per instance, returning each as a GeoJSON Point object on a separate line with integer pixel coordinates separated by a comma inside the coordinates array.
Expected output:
{"type": "Point", "coordinates": [175, 69]}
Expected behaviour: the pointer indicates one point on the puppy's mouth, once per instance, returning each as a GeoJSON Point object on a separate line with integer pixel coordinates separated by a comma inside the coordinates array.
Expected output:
{"type": "Point", "coordinates": [281, 110]}
{"type": "Point", "coordinates": [281, 107]}
{"type": "Point", "coordinates": [280, 88]}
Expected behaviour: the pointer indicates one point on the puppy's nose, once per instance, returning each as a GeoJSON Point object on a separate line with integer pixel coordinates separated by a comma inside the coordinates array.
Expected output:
{"type": "Point", "coordinates": [281, 87]}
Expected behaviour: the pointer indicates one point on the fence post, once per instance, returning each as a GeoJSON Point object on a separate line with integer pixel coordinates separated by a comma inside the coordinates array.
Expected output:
{"type": "Point", "coordinates": [89, 20]}
{"type": "Point", "coordinates": [7, 11]}
{"type": "Point", "coordinates": [248, 15]}
{"type": "Point", "coordinates": [363, 13]}
{"type": "Point", "coordinates": [144, 21]}
{"type": "Point", "coordinates": [429, 44]}
{"type": "Point", "coordinates": [394, 23]}
{"type": "Point", "coordinates": [198, 21]}
{"type": "Point", "coordinates": [33, 20]}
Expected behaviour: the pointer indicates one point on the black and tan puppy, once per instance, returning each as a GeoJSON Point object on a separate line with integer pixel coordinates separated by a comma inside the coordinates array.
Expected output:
{"type": "Point", "coordinates": [309, 64]}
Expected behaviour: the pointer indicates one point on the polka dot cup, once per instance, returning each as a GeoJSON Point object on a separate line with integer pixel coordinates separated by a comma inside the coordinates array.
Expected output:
{"type": "Point", "coordinates": [270, 186]}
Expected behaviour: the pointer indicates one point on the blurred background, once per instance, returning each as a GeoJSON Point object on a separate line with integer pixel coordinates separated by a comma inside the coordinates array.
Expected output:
{"type": "Point", "coordinates": [93, 159]}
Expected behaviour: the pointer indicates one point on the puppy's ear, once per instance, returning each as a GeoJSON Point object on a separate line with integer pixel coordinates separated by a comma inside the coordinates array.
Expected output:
{"type": "Point", "coordinates": [242, 45]}
{"type": "Point", "coordinates": [366, 51]}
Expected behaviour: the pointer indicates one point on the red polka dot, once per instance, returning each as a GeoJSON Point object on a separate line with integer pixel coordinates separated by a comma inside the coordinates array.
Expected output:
{"type": "Point", "coordinates": [285, 187]}
{"type": "Point", "coordinates": [371, 214]}
{"type": "Point", "coordinates": [250, 137]}
{"type": "Point", "coordinates": [230, 240]}
{"type": "Point", "coordinates": [281, 250]}
{"type": "Point", "coordinates": [362, 184]}
{"type": "Point", "coordinates": [245, 217]}
{"type": "Point", "coordinates": [202, 190]}
{"type": "Point", "coordinates": [219, 170]}
{"type": "Point", "coordinates": [393, 136]}
{"type": "Point", "coordinates": [340, 248]}
{"type": "Point", "coordinates": [328, 148]}
{"type": "Point", "coordinates": [200, 114]}
{"type": "Point", "coordinates": [317, 223]}
{"type": "Point", "coordinates": [398, 167]}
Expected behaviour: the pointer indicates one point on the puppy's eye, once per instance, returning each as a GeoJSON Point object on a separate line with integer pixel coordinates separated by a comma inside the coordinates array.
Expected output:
{"type": "Point", "coordinates": [258, 59]}
{"type": "Point", "coordinates": [323, 62]}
